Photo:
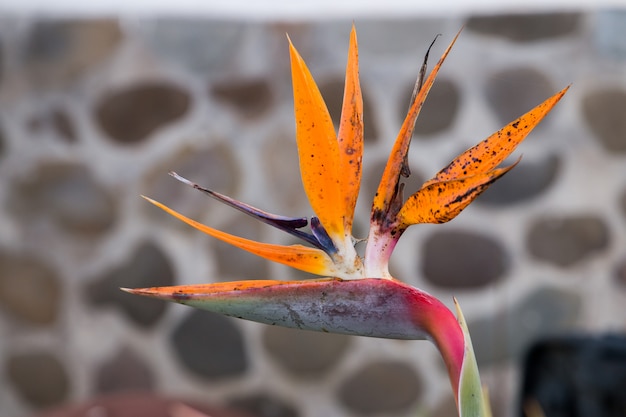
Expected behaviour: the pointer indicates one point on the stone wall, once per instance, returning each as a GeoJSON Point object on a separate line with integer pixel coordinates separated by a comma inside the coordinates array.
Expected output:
{"type": "Point", "coordinates": [94, 113]}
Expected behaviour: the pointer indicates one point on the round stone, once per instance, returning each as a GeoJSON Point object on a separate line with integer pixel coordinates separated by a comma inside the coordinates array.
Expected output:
{"type": "Point", "coordinates": [332, 91]}
{"type": "Point", "coordinates": [381, 387]}
{"type": "Point", "coordinates": [609, 34]}
{"type": "Point", "coordinates": [264, 405]}
{"type": "Point", "coordinates": [462, 259]}
{"type": "Point", "coordinates": [204, 46]}
{"type": "Point", "coordinates": [57, 50]}
{"type": "Point", "coordinates": [304, 354]}
{"type": "Point", "coordinates": [526, 181]}
{"type": "Point", "coordinates": [281, 168]}
{"type": "Point", "coordinates": [439, 111]}
{"type": "Point", "coordinates": [251, 99]}
{"type": "Point", "coordinates": [29, 289]}
{"type": "Point", "coordinates": [513, 92]}
{"type": "Point", "coordinates": [210, 345]}
{"type": "Point", "coordinates": [603, 111]}
{"type": "Point", "coordinates": [565, 241]}
{"type": "Point", "coordinates": [39, 378]}
{"type": "Point", "coordinates": [214, 168]}
{"type": "Point", "coordinates": [147, 266]}
{"type": "Point", "coordinates": [65, 194]}
{"type": "Point", "coordinates": [130, 115]}
{"type": "Point", "coordinates": [125, 371]}
{"type": "Point", "coordinates": [526, 27]}
{"type": "Point", "coordinates": [384, 40]}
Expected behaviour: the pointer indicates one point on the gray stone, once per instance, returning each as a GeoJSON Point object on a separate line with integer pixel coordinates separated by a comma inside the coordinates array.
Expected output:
{"type": "Point", "coordinates": [62, 123]}
{"type": "Point", "coordinates": [235, 264]}
{"type": "Point", "coordinates": [250, 98]}
{"type": "Point", "coordinates": [622, 203]}
{"type": "Point", "coordinates": [382, 387]}
{"type": "Point", "coordinates": [67, 195]}
{"type": "Point", "coordinates": [609, 32]}
{"type": "Point", "coordinates": [58, 51]}
{"type": "Point", "coordinates": [506, 335]}
{"type": "Point", "coordinates": [530, 27]}
{"type": "Point", "coordinates": [512, 92]}
{"type": "Point", "coordinates": [304, 354]}
{"type": "Point", "coordinates": [526, 181]}
{"type": "Point", "coordinates": [439, 111]}
{"type": "Point", "coordinates": [29, 289]}
{"type": "Point", "coordinates": [205, 46]}
{"type": "Point", "coordinates": [39, 378]}
{"type": "Point", "coordinates": [603, 111]}
{"type": "Point", "coordinates": [125, 371]}
{"type": "Point", "coordinates": [281, 168]}
{"type": "Point", "coordinates": [385, 38]}
{"type": "Point", "coordinates": [264, 405]}
{"type": "Point", "coordinates": [147, 266]}
{"type": "Point", "coordinates": [332, 91]}
{"type": "Point", "coordinates": [210, 345]}
{"type": "Point", "coordinates": [132, 114]}
{"type": "Point", "coordinates": [566, 241]}
{"type": "Point", "coordinates": [462, 259]}
{"type": "Point", "coordinates": [214, 168]}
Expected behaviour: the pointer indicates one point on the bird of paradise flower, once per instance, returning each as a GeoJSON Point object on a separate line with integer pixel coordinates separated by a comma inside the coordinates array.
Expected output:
{"type": "Point", "coordinates": [358, 296]}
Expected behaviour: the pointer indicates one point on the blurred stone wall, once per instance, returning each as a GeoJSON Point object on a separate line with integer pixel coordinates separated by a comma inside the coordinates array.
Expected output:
{"type": "Point", "coordinates": [94, 113]}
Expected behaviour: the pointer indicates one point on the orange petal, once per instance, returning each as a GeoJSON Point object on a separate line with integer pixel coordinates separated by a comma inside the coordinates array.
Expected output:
{"type": "Point", "coordinates": [391, 176]}
{"type": "Point", "coordinates": [350, 137]}
{"type": "Point", "coordinates": [442, 201]}
{"type": "Point", "coordinates": [317, 148]}
{"type": "Point", "coordinates": [492, 151]}
{"type": "Point", "coordinates": [300, 257]}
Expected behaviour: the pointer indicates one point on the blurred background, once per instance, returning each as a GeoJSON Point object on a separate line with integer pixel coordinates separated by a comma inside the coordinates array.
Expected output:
{"type": "Point", "coordinates": [94, 112]}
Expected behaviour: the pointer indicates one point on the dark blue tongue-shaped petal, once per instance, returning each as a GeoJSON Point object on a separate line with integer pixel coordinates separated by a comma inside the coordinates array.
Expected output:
{"type": "Point", "coordinates": [319, 238]}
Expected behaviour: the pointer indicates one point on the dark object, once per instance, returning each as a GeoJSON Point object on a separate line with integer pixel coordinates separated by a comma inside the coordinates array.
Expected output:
{"type": "Point", "coordinates": [576, 377]}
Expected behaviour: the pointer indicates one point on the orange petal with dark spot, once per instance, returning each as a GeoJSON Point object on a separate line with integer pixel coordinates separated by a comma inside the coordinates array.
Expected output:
{"type": "Point", "coordinates": [489, 153]}
{"type": "Point", "coordinates": [350, 136]}
{"type": "Point", "coordinates": [317, 148]}
{"type": "Point", "coordinates": [442, 201]}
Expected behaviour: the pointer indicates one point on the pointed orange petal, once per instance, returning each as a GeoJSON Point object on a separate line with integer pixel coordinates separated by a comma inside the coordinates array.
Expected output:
{"type": "Point", "coordinates": [442, 201]}
{"type": "Point", "coordinates": [300, 257]}
{"type": "Point", "coordinates": [317, 148]}
{"type": "Point", "coordinates": [350, 135]}
{"type": "Point", "coordinates": [492, 151]}
{"type": "Point", "coordinates": [391, 176]}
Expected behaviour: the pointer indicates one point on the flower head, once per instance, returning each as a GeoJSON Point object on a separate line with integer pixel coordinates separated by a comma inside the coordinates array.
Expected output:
{"type": "Point", "coordinates": [358, 295]}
